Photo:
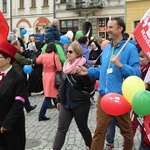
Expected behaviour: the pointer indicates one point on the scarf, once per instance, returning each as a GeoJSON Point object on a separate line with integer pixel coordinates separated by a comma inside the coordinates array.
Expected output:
{"type": "Point", "coordinates": [69, 68]}
{"type": "Point", "coordinates": [144, 70]}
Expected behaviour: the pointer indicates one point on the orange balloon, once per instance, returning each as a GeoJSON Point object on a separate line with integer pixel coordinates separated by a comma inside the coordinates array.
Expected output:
{"type": "Point", "coordinates": [32, 38]}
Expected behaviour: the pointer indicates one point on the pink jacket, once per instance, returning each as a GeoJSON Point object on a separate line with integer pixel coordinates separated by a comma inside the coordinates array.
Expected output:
{"type": "Point", "coordinates": [49, 73]}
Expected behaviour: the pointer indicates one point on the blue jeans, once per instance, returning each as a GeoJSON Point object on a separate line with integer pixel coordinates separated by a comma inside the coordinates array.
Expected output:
{"type": "Point", "coordinates": [46, 103]}
{"type": "Point", "coordinates": [110, 135]}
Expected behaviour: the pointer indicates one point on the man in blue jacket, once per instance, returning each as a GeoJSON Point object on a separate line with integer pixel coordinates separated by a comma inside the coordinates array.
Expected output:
{"type": "Point", "coordinates": [111, 74]}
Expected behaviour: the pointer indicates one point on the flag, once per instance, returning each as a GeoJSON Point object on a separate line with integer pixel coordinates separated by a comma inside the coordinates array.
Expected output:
{"type": "Point", "coordinates": [142, 33]}
{"type": "Point", "coordinates": [109, 18]}
{"type": "Point", "coordinates": [4, 28]}
{"type": "Point", "coordinates": [88, 33]}
{"type": "Point", "coordinates": [147, 126]}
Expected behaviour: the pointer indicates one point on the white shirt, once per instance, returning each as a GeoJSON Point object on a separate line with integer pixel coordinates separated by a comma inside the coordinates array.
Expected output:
{"type": "Point", "coordinates": [31, 46]}
{"type": "Point", "coordinates": [5, 72]}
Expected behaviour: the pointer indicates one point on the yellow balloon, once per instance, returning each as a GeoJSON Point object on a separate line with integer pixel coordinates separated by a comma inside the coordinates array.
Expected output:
{"type": "Point", "coordinates": [131, 86]}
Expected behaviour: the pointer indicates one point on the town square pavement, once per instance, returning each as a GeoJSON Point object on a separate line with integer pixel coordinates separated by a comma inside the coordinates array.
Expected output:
{"type": "Point", "coordinates": [40, 135]}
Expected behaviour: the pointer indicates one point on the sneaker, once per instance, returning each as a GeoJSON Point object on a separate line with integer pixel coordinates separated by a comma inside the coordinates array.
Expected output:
{"type": "Point", "coordinates": [109, 147]}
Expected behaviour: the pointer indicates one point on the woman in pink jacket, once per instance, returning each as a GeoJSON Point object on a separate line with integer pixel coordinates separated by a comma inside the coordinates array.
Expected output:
{"type": "Point", "coordinates": [50, 91]}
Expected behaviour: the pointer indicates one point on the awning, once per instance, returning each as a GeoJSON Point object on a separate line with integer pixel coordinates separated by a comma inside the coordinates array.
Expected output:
{"type": "Point", "coordinates": [42, 22]}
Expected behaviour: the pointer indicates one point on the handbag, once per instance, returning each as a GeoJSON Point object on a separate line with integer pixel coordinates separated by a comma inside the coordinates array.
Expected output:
{"type": "Point", "coordinates": [58, 76]}
{"type": "Point", "coordinates": [90, 91]}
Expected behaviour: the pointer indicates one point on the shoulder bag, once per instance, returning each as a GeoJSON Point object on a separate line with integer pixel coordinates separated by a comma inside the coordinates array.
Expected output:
{"type": "Point", "coordinates": [58, 77]}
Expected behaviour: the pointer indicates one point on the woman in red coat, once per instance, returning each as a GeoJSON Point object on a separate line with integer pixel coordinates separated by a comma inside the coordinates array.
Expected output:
{"type": "Point", "coordinates": [50, 91]}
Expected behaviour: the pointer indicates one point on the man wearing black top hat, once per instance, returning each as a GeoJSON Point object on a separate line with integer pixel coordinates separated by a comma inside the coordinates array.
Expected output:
{"type": "Point", "coordinates": [12, 98]}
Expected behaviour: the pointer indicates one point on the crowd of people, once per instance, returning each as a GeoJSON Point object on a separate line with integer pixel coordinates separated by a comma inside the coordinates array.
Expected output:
{"type": "Point", "coordinates": [83, 60]}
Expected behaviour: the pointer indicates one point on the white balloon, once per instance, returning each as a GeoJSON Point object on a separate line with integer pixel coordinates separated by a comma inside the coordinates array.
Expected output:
{"type": "Point", "coordinates": [69, 34]}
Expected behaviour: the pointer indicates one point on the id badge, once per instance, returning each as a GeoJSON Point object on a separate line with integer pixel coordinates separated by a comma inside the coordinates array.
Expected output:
{"type": "Point", "coordinates": [109, 70]}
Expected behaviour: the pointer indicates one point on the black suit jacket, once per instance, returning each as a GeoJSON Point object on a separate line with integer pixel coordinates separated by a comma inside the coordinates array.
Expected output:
{"type": "Point", "coordinates": [11, 108]}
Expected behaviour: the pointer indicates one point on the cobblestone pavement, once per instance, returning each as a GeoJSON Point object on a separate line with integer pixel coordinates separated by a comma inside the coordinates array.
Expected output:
{"type": "Point", "coordinates": [40, 135]}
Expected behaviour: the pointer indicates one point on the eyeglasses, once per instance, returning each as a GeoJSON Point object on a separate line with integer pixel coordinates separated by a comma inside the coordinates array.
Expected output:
{"type": "Point", "coordinates": [69, 51]}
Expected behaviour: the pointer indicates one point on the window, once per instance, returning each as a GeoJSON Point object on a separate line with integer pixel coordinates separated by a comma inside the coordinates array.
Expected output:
{"type": "Point", "coordinates": [63, 1]}
{"type": "Point", "coordinates": [21, 3]}
{"type": "Point", "coordinates": [69, 23]}
{"type": "Point", "coordinates": [103, 27]}
{"type": "Point", "coordinates": [20, 29]}
{"type": "Point", "coordinates": [4, 6]}
{"type": "Point", "coordinates": [33, 3]}
{"type": "Point", "coordinates": [45, 3]}
{"type": "Point", "coordinates": [136, 23]}
{"type": "Point", "coordinates": [63, 24]}
{"type": "Point", "coordinates": [66, 25]}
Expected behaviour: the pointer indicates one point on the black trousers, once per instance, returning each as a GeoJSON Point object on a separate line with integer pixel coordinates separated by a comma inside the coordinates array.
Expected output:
{"type": "Point", "coordinates": [80, 114]}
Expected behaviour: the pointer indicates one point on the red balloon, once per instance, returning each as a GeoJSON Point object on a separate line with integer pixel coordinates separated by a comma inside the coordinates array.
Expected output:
{"type": "Point", "coordinates": [96, 84]}
{"type": "Point", "coordinates": [115, 104]}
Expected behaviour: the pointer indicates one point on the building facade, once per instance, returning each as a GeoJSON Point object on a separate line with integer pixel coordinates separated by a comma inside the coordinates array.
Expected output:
{"type": "Point", "coordinates": [90, 14]}
{"type": "Point", "coordinates": [36, 15]}
{"type": "Point", "coordinates": [135, 10]}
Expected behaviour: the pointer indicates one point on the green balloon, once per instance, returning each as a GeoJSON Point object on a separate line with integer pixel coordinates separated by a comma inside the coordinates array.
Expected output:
{"type": "Point", "coordinates": [141, 103]}
{"type": "Point", "coordinates": [78, 34]}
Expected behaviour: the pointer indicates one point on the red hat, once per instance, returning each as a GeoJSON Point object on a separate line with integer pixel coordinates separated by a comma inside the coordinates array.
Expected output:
{"type": "Point", "coordinates": [8, 49]}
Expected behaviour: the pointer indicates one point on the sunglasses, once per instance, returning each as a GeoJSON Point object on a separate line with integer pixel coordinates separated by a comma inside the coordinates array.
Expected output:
{"type": "Point", "coordinates": [69, 51]}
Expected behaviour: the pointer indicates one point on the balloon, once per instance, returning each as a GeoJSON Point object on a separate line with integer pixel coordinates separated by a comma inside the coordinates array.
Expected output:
{"type": "Point", "coordinates": [69, 34]}
{"type": "Point", "coordinates": [23, 31]}
{"type": "Point", "coordinates": [32, 38]}
{"type": "Point", "coordinates": [96, 84]}
{"type": "Point", "coordinates": [131, 86]}
{"type": "Point", "coordinates": [115, 104]}
{"type": "Point", "coordinates": [64, 39]}
{"type": "Point", "coordinates": [92, 38]}
{"type": "Point", "coordinates": [27, 69]}
{"type": "Point", "coordinates": [78, 34]}
{"type": "Point", "coordinates": [104, 43]}
{"type": "Point", "coordinates": [141, 103]}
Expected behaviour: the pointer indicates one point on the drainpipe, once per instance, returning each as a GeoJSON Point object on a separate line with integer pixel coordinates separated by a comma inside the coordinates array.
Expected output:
{"type": "Point", "coordinates": [125, 11]}
{"type": "Point", "coordinates": [10, 15]}
{"type": "Point", "coordinates": [54, 8]}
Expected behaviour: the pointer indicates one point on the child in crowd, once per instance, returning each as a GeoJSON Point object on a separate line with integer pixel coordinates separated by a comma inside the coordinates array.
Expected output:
{"type": "Point", "coordinates": [145, 65]}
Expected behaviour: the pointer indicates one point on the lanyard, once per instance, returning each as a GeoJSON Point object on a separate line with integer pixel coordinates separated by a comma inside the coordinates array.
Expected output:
{"type": "Point", "coordinates": [112, 53]}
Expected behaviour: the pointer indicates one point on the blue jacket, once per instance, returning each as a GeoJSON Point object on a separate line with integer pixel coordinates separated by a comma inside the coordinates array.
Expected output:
{"type": "Point", "coordinates": [112, 82]}
{"type": "Point", "coordinates": [52, 34]}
